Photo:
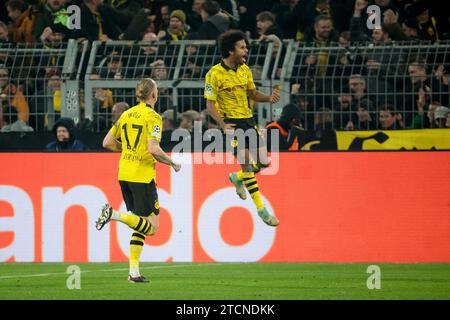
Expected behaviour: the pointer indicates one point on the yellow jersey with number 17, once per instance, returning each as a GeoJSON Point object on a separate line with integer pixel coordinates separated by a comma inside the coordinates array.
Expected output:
{"type": "Point", "coordinates": [228, 88]}
{"type": "Point", "coordinates": [134, 128]}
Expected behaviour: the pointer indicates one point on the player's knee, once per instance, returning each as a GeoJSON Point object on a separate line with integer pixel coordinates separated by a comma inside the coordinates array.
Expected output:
{"type": "Point", "coordinates": [152, 219]}
{"type": "Point", "coordinates": [153, 230]}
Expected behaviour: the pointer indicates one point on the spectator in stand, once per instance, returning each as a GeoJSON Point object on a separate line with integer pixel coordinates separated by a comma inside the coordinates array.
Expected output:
{"type": "Point", "coordinates": [170, 120]}
{"type": "Point", "coordinates": [129, 8]}
{"type": "Point", "coordinates": [23, 17]}
{"type": "Point", "coordinates": [98, 21]}
{"type": "Point", "coordinates": [230, 8]}
{"type": "Point", "coordinates": [45, 107]}
{"type": "Point", "coordinates": [392, 26]}
{"type": "Point", "coordinates": [322, 34]}
{"type": "Point", "coordinates": [161, 72]}
{"type": "Point", "coordinates": [248, 9]}
{"type": "Point", "coordinates": [441, 116]}
{"type": "Point", "coordinates": [366, 118]}
{"type": "Point", "coordinates": [386, 5]}
{"type": "Point", "coordinates": [301, 97]}
{"type": "Point", "coordinates": [177, 27]}
{"type": "Point", "coordinates": [319, 8]}
{"type": "Point", "coordinates": [348, 61]}
{"type": "Point", "coordinates": [188, 118]}
{"type": "Point", "coordinates": [358, 29]}
{"type": "Point", "coordinates": [323, 119]}
{"type": "Point", "coordinates": [416, 93]}
{"type": "Point", "coordinates": [164, 13]}
{"type": "Point", "coordinates": [117, 110]}
{"type": "Point", "coordinates": [103, 103]}
{"type": "Point", "coordinates": [113, 68]}
{"type": "Point", "coordinates": [411, 29]}
{"type": "Point", "coordinates": [440, 85]}
{"type": "Point", "coordinates": [288, 127]}
{"type": "Point", "coordinates": [299, 17]}
{"type": "Point", "coordinates": [277, 44]}
{"type": "Point", "coordinates": [344, 116]}
{"type": "Point", "coordinates": [130, 24]}
{"type": "Point", "coordinates": [319, 65]}
{"type": "Point", "coordinates": [286, 17]}
{"type": "Point", "coordinates": [194, 18]}
{"type": "Point", "coordinates": [207, 121]}
{"type": "Point", "coordinates": [214, 22]}
{"type": "Point", "coordinates": [381, 69]}
{"type": "Point", "coordinates": [65, 138]}
{"type": "Point", "coordinates": [265, 24]}
{"type": "Point", "coordinates": [149, 50]}
{"type": "Point", "coordinates": [390, 119]}
{"type": "Point", "coordinates": [52, 19]}
{"type": "Point", "coordinates": [14, 104]}
{"type": "Point", "coordinates": [358, 89]}
{"type": "Point", "coordinates": [428, 26]}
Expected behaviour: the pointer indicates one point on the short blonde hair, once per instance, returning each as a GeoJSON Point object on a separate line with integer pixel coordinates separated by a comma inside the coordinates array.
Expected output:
{"type": "Point", "coordinates": [144, 88]}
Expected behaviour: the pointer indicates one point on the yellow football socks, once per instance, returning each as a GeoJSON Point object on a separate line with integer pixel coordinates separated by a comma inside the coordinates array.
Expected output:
{"type": "Point", "coordinates": [136, 246]}
{"type": "Point", "coordinates": [134, 222]}
{"type": "Point", "coordinates": [250, 183]}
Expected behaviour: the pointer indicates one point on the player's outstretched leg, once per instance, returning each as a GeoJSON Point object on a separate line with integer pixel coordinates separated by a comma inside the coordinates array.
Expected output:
{"type": "Point", "coordinates": [252, 186]}
{"type": "Point", "coordinates": [135, 222]}
{"type": "Point", "coordinates": [236, 179]}
{"type": "Point", "coordinates": [105, 217]}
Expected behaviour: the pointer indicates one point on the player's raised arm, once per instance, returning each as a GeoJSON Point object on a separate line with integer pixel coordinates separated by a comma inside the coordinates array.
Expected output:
{"type": "Point", "coordinates": [258, 96]}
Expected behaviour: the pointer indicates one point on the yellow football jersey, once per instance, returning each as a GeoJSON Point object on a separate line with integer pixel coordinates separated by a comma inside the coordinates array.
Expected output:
{"type": "Point", "coordinates": [134, 128]}
{"type": "Point", "coordinates": [228, 88]}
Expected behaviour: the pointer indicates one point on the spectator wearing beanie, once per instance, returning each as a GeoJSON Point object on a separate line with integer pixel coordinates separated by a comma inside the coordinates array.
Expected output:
{"type": "Point", "coordinates": [177, 27]}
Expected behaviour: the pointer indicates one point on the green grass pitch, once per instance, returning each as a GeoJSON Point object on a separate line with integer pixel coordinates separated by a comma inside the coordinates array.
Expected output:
{"type": "Point", "coordinates": [226, 281]}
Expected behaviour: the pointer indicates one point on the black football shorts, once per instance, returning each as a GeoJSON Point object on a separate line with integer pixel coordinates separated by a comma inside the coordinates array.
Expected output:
{"type": "Point", "coordinates": [140, 198]}
{"type": "Point", "coordinates": [249, 137]}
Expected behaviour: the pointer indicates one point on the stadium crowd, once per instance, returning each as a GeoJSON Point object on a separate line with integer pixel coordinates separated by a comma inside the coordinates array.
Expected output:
{"type": "Point", "coordinates": [372, 96]}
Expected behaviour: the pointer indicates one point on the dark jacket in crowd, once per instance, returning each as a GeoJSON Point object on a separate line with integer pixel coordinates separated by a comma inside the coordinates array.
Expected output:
{"type": "Point", "coordinates": [90, 29]}
{"type": "Point", "coordinates": [72, 144]}
{"type": "Point", "coordinates": [211, 29]}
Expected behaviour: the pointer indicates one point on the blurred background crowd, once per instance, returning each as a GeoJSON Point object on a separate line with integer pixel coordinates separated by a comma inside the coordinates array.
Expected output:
{"type": "Point", "coordinates": [346, 88]}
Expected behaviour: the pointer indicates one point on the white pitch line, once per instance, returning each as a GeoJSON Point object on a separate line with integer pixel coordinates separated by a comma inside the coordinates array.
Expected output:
{"type": "Point", "coordinates": [106, 270]}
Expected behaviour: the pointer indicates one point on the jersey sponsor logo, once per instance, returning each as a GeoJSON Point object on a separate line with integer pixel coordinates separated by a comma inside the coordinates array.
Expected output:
{"type": "Point", "coordinates": [235, 88]}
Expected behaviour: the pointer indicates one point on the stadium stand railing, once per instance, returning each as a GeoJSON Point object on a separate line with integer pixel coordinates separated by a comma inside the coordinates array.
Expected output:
{"type": "Point", "coordinates": [45, 76]}
{"type": "Point", "coordinates": [323, 75]}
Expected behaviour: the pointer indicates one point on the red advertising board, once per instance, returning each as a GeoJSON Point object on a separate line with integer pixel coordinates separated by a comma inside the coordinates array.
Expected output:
{"type": "Point", "coordinates": [333, 207]}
